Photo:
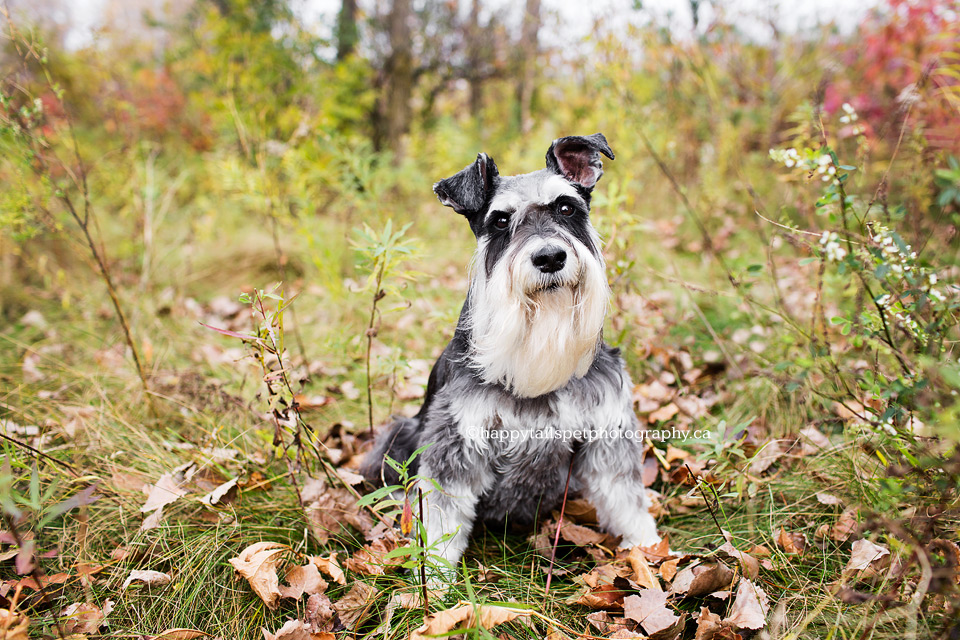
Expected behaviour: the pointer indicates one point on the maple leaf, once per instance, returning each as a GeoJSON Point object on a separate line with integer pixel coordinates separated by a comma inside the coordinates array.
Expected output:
{"type": "Point", "coordinates": [651, 611]}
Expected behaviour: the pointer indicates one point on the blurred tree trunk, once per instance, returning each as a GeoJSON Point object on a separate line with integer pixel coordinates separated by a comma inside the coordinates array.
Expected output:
{"type": "Point", "coordinates": [347, 34]}
{"type": "Point", "coordinates": [393, 112]}
{"type": "Point", "coordinates": [474, 54]}
{"type": "Point", "coordinates": [528, 62]}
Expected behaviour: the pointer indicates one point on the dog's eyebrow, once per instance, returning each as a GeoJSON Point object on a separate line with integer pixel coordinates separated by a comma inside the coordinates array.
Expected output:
{"type": "Point", "coordinates": [547, 192]}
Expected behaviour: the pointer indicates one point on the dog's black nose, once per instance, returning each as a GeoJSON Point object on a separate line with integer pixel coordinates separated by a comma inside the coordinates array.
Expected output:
{"type": "Point", "coordinates": [550, 259]}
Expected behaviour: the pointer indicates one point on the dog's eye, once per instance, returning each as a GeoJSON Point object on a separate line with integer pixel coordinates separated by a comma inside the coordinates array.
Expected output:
{"type": "Point", "coordinates": [565, 210]}
{"type": "Point", "coordinates": [501, 221]}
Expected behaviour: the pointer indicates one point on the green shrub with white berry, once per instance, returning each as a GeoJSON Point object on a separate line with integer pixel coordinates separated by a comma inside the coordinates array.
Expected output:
{"type": "Point", "coordinates": [889, 351]}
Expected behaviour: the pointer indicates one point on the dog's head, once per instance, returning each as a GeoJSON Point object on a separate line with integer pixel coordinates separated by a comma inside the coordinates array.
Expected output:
{"type": "Point", "coordinates": [538, 290]}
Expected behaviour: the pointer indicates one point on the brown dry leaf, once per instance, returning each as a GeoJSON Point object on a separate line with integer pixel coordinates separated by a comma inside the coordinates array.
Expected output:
{"type": "Point", "coordinates": [220, 493]}
{"type": "Point", "coordinates": [669, 569]}
{"type": "Point", "coordinates": [765, 457]}
{"type": "Point", "coordinates": [303, 580]}
{"type": "Point", "coordinates": [749, 565]}
{"type": "Point", "coordinates": [319, 612]}
{"type": "Point", "coordinates": [626, 634]}
{"type": "Point", "coordinates": [701, 579]}
{"type": "Point", "coordinates": [604, 596]}
{"type": "Point", "coordinates": [708, 625]}
{"type": "Point", "coordinates": [369, 560]}
{"type": "Point", "coordinates": [642, 574]}
{"type": "Point", "coordinates": [657, 553]}
{"type": "Point", "coordinates": [791, 543]}
{"type": "Point", "coordinates": [863, 554]}
{"type": "Point", "coordinates": [327, 507]}
{"type": "Point", "coordinates": [354, 607]}
{"type": "Point", "coordinates": [181, 634]}
{"type": "Point", "coordinates": [330, 566]}
{"type": "Point", "coordinates": [580, 536]}
{"type": "Point", "coordinates": [828, 499]}
{"type": "Point", "coordinates": [14, 625]}
{"type": "Point", "coordinates": [258, 564]}
{"type": "Point", "coordinates": [749, 609]}
{"type": "Point", "coordinates": [841, 531]}
{"type": "Point", "coordinates": [651, 611]}
{"type": "Point", "coordinates": [664, 413]}
{"type": "Point", "coordinates": [82, 617]}
{"type": "Point", "coordinates": [812, 441]}
{"type": "Point", "coordinates": [165, 491]}
{"type": "Point", "coordinates": [297, 630]}
{"type": "Point", "coordinates": [147, 577]}
{"type": "Point", "coordinates": [152, 521]}
{"type": "Point", "coordinates": [580, 510]}
{"type": "Point", "coordinates": [466, 616]}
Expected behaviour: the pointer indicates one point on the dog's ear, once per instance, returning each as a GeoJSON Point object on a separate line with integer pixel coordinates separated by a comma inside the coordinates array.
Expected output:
{"type": "Point", "coordinates": [577, 158]}
{"type": "Point", "coordinates": [467, 191]}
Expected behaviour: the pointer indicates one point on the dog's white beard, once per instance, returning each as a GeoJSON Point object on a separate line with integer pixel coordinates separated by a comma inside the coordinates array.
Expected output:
{"type": "Point", "coordinates": [535, 343]}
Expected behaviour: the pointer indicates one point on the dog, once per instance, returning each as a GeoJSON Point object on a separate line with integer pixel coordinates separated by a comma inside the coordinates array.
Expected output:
{"type": "Point", "coordinates": [526, 397]}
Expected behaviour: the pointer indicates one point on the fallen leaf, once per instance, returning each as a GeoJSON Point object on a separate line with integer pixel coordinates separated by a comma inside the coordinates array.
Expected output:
{"type": "Point", "coordinates": [828, 499]}
{"type": "Point", "coordinates": [863, 554]}
{"type": "Point", "coordinates": [642, 574]}
{"type": "Point", "coordinates": [147, 577]}
{"type": "Point", "coordinates": [165, 491]}
{"type": "Point", "coordinates": [327, 508]}
{"type": "Point", "coordinates": [749, 565]}
{"type": "Point", "coordinates": [764, 458]}
{"type": "Point", "coordinates": [258, 564]}
{"type": "Point", "coordinates": [319, 613]}
{"type": "Point", "coordinates": [152, 521]}
{"type": "Point", "coordinates": [812, 441]}
{"type": "Point", "coordinates": [668, 569]}
{"type": "Point", "coordinates": [708, 625]}
{"type": "Point", "coordinates": [14, 625]}
{"type": "Point", "coordinates": [749, 609]}
{"type": "Point", "coordinates": [84, 617]}
{"type": "Point", "coordinates": [371, 560]}
{"type": "Point", "coordinates": [701, 579]}
{"type": "Point", "coordinates": [330, 566]}
{"type": "Point", "coordinates": [604, 596]}
{"type": "Point", "coordinates": [580, 536]}
{"type": "Point", "coordinates": [215, 496]}
{"type": "Point", "coordinates": [349, 477]}
{"type": "Point", "coordinates": [181, 634]}
{"type": "Point", "coordinates": [303, 580]}
{"type": "Point", "coordinates": [466, 616]}
{"type": "Point", "coordinates": [651, 611]}
{"type": "Point", "coordinates": [297, 630]}
{"type": "Point", "coordinates": [791, 543]}
{"type": "Point", "coordinates": [580, 510]}
{"type": "Point", "coordinates": [664, 413]}
{"type": "Point", "coordinates": [841, 531]}
{"type": "Point", "coordinates": [354, 607]}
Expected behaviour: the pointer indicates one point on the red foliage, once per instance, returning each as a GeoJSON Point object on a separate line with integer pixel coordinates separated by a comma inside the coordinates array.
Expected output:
{"type": "Point", "coordinates": [893, 53]}
{"type": "Point", "coordinates": [157, 108]}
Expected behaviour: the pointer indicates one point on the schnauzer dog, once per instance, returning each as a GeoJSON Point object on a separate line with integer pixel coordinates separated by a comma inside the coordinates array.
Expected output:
{"type": "Point", "coordinates": [527, 396]}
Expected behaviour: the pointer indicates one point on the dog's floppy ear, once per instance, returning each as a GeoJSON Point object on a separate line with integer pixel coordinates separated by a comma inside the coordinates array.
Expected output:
{"type": "Point", "coordinates": [577, 158]}
{"type": "Point", "coordinates": [467, 191]}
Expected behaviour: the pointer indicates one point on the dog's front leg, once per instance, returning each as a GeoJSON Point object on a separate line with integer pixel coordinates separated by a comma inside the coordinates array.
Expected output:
{"type": "Point", "coordinates": [610, 469]}
{"type": "Point", "coordinates": [449, 514]}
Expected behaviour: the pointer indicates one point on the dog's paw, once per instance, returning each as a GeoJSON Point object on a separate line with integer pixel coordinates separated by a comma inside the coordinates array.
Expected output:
{"type": "Point", "coordinates": [645, 539]}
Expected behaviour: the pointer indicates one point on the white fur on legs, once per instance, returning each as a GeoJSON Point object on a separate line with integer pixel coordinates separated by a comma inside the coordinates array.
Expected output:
{"type": "Point", "coordinates": [609, 471]}
{"type": "Point", "coordinates": [449, 514]}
